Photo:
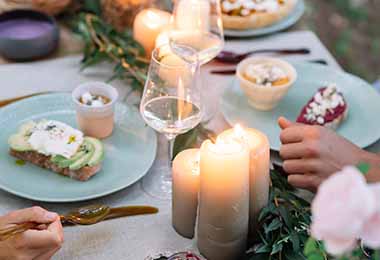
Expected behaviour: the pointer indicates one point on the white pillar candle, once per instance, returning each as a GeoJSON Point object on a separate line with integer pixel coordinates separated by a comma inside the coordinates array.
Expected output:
{"type": "Point", "coordinates": [224, 200]}
{"type": "Point", "coordinates": [185, 192]}
{"type": "Point", "coordinates": [259, 169]}
{"type": "Point", "coordinates": [148, 24]}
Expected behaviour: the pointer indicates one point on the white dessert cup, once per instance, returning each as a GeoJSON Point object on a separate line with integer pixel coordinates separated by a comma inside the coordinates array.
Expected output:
{"type": "Point", "coordinates": [263, 97]}
{"type": "Point", "coordinates": [97, 122]}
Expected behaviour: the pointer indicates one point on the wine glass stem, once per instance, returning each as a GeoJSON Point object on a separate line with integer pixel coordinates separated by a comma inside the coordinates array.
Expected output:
{"type": "Point", "coordinates": [170, 152]}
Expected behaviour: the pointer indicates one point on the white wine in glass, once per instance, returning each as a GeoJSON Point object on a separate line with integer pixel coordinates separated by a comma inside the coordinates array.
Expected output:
{"type": "Point", "coordinates": [171, 104]}
{"type": "Point", "coordinates": [197, 24]}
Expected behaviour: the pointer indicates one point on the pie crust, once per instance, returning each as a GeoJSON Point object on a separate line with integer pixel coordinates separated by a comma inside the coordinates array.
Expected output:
{"type": "Point", "coordinates": [258, 19]}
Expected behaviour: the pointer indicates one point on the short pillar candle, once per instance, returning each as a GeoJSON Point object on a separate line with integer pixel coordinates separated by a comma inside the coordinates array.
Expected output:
{"type": "Point", "coordinates": [185, 192]}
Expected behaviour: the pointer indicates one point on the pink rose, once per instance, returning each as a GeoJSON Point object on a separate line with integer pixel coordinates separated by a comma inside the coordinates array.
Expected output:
{"type": "Point", "coordinates": [371, 231]}
{"type": "Point", "coordinates": [343, 204]}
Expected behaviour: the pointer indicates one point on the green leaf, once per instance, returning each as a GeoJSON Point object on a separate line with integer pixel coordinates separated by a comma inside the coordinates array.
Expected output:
{"type": "Point", "coordinates": [274, 225]}
{"type": "Point", "coordinates": [311, 246]}
{"type": "Point", "coordinates": [315, 256]}
{"type": "Point", "coordinates": [295, 241]}
{"type": "Point", "coordinates": [263, 249]}
{"type": "Point", "coordinates": [364, 168]}
{"type": "Point", "coordinates": [286, 217]}
{"type": "Point", "coordinates": [92, 6]}
{"type": "Point", "coordinates": [276, 248]}
{"type": "Point", "coordinates": [376, 255]}
{"type": "Point", "coordinates": [185, 141]}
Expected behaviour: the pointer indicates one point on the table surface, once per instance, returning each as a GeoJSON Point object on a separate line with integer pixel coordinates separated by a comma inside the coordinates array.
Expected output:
{"type": "Point", "coordinates": [133, 237]}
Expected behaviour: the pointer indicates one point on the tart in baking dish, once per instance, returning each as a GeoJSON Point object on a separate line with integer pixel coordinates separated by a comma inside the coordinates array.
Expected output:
{"type": "Point", "coordinates": [254, 14]}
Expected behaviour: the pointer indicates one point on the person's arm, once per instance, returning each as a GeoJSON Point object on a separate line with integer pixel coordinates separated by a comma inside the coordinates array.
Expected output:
{"type": "Point", "coordinates": [313, 153]}
{"type": "Point", "coordinates": [38, 244]}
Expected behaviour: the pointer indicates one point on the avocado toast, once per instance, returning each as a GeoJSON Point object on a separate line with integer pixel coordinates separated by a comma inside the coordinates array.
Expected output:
{"type": "Point", "coordinates": [58, 147]}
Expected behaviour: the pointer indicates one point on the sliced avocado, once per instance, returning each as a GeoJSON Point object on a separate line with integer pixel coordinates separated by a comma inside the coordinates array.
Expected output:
{"type": "Point", "coordinates": [67, 162]}
{"type": "Point", "coordinates": [57, 159]}
{"type": "Point", "coordinates": [81, 162]}
{"type": "Point", "coordinates": [19, 143]}
{"type": "Point", "coordinates": [98, 155]}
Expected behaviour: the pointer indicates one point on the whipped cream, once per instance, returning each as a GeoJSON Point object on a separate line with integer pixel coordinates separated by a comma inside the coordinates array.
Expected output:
{"type": "Point", "coordinates": [93, 100]}
{"type": "Point", "coordinates": [265, 74]}
{"type": "Point", "coordinates": [52, 138]}
{"type": "Point", "coordinates": [324, 102]}
{"type": "Point", "coordinates": [247, 6]}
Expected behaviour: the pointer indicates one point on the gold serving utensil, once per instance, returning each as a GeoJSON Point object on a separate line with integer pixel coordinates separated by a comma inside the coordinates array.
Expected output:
{"type": "Point", "coordinates": [88, 215]}
{"type": "Point", "coordinates": [12, 100]}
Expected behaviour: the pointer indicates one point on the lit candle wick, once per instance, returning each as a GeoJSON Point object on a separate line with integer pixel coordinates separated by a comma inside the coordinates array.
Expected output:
{"type": "Point", "coordinates": [239, 131]}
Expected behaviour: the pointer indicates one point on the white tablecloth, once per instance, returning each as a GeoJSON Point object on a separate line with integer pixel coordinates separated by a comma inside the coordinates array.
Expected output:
{"type": "Point", "coordinates": [133, 237]}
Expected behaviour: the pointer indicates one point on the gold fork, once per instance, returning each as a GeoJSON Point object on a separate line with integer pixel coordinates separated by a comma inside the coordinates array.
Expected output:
{"type": "Point", "coordinates": [12, 100]}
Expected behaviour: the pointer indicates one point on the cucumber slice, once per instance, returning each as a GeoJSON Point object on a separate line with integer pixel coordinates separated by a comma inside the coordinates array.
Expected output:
{"type": "Point", "coordinates": [19, 143]}
{"type": "Point", "coordinates": [67, 162]}
{"type": "Point", "coordinates": [98, 155]}
{"type": "Point", "coordinates": [81, 162]}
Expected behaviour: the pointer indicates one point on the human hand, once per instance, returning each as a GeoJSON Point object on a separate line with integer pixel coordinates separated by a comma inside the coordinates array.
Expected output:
{"type": "Point", "coordinates": [313, 153]}
{"type": "Point", "coordinates": [38, 244]}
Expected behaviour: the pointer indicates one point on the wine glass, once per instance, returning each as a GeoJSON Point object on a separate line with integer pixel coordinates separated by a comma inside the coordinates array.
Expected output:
{"type": "Point", "coordinates": [197, 24]}
{"type": "Point", "coordinates": [171, 104]}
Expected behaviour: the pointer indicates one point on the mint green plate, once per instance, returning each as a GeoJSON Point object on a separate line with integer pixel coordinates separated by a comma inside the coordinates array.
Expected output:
{"type": "Point", "coordinates": [287, 22]}
{"type": "Point", "coordinates": [130, 152]}
{"type": "Point", "coordinates": [361, 127]}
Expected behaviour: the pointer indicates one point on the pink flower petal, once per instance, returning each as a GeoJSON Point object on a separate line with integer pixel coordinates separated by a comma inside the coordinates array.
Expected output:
{"type": "Point", "coordinates": [342, 205]}
{"type": "Point", "coordinates": [371, 230]}
{"type": "Point", "coordinates": [339, 247]}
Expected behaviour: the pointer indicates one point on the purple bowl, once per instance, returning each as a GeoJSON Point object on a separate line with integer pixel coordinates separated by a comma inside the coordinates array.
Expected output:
{"type": "Point", "coordinates": [27, 35]}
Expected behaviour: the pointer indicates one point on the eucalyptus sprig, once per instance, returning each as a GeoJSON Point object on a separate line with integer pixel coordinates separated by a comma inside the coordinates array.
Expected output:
{"type": "Point", "coordinates": [104, 43]}
{"type": "Point", "coordinates": [284, 223]}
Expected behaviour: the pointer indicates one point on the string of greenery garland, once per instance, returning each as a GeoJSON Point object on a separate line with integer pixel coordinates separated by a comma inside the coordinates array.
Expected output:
{"type": "Point", "coordinates": [284, 223]}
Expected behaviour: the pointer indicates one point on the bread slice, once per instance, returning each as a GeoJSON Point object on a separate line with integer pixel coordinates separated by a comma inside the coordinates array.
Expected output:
{"type": "Point", "coordinates": [258, 20]}
{"type": "Point", "coordinates": [43, 161]}
{"type": "Point", "coordinates": [58, 147]}
{"type": "Point", "coordinates": [332, 117]}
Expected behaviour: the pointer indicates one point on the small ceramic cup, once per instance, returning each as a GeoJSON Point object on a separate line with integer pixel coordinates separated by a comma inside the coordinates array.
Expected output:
{"type": "Point", "coordinates": [97, 122]}
{"type": "Point", "coordinates": [29, 35]}
{"type": "Point", "coordinates": [263, 97]}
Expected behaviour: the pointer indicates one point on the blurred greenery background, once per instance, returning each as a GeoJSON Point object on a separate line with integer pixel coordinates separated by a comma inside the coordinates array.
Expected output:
{"type": "Point", "coordinates": [351, 31]}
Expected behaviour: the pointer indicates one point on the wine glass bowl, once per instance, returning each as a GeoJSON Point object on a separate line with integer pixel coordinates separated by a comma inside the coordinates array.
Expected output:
{"type": "Point", "coordinates": [171, 104]}
{"type": "Point", "coordinates": [197, 24]}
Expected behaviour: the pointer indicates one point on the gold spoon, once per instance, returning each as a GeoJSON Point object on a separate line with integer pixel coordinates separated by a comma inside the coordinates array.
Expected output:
{"type": "Point", "coordinates": [88, 215]}
{"type": "Point", "coordinates": [3, 103]}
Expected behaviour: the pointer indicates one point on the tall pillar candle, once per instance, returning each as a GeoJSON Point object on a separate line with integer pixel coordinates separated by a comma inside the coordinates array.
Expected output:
{"type": "Point", "coordinates": [148, 24]}
{"type": "Point", "coordinates": [223, 200]}
{"type": "Point", "coordinates": [259, 169]}
{"type": "Point", "coordinates": [185, 192]}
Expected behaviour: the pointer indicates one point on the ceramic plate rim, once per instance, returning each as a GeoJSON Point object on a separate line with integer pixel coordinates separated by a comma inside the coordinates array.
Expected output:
{"type": "Point", "coordinates": [82, 198]}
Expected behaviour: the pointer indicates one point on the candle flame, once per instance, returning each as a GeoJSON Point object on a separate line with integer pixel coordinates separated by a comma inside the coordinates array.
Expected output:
{"type": "Point", "coordinates": [154, 19]}
{"type": "Point", "coordinates": [239, 131]}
